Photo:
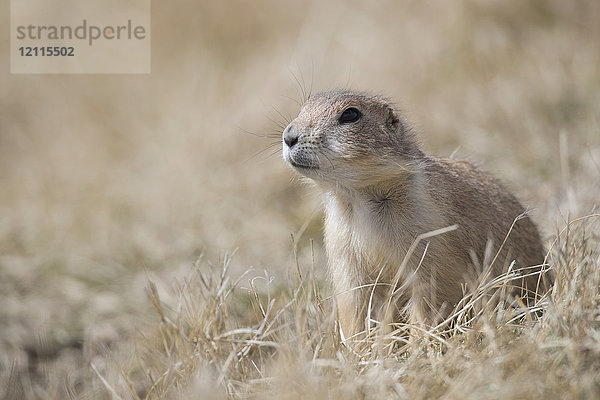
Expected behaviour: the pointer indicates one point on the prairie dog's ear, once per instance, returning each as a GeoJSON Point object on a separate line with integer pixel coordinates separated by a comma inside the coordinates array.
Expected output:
{"type": "Point", "coordinates": [392, 118]}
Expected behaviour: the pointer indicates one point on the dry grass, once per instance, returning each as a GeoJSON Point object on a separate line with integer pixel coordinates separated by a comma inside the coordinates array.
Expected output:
{"type": "Point", "coordinates": [246, 339]}
{"type": "Point", "coordinates": [108, 180]}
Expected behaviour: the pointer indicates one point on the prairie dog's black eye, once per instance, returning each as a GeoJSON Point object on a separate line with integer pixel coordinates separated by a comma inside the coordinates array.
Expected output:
{"type": "Point", "coordinates": [350, 115]}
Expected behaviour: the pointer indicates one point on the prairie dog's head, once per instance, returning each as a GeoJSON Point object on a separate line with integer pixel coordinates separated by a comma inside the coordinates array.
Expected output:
{"type": "Point", "coordinates": [350, 139]}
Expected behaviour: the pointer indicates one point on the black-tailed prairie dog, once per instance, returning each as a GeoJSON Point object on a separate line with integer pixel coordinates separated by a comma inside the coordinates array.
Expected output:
{"type": "Point", "coordinates": [382, 193]}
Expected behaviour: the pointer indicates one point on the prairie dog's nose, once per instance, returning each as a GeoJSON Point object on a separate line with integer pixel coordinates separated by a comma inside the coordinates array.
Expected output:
{"type": "Point", "coordinates": [290, 135]}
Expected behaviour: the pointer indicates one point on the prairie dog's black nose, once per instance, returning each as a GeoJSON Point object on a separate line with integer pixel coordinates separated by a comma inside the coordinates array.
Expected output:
{"type": "Point", "coordinates": [290, 135]}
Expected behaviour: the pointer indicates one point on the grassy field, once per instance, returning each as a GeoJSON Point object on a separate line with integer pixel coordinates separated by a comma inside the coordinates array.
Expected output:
{"type": "Point", "coordinates": [146, 220]}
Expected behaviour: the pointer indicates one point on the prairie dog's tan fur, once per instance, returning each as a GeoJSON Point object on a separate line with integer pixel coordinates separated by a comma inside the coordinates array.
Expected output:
{"type": "Point", "coordinates": [382, 192]}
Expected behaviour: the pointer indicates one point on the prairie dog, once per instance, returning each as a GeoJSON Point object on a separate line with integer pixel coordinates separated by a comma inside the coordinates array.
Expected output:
{"type": "Point", "coordinates": [381, 192]}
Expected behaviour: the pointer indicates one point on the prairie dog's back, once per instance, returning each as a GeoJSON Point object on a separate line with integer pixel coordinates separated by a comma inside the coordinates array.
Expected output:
{"type": "Point", "coordinates": [484, 210]}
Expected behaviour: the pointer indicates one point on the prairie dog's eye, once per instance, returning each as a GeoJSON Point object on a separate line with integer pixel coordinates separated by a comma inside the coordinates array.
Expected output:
{"type": "Point", "coordinates": [350, 115]}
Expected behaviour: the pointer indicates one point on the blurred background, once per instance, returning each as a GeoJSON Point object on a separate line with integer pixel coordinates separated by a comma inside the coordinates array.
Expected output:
{"type": "Point", "coordinates": [108, 179]}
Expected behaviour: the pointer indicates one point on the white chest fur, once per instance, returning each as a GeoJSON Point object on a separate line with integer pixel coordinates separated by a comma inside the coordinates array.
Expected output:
{"type": "Point", "coordinates": [359, 240]}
